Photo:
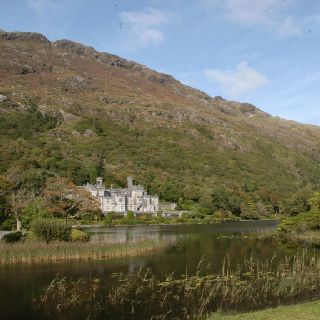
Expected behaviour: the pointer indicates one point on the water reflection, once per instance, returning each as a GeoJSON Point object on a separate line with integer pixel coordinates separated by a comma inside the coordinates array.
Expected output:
{"type": "Point", "coordinates": [128, 234]}
{"type": "Point", "coordinates": [125, 235]}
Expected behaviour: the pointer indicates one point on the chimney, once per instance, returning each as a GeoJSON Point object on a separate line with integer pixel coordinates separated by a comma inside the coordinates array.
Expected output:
{"type": "Point", "coordinates": [130, 183]}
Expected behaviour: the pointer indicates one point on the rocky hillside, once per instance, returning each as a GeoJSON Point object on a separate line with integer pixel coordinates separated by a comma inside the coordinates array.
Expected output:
{"type": "Point", "coordinates": [69, 110]}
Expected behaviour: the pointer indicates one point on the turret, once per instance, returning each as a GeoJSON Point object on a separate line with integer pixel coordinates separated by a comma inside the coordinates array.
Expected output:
{"type": "Point", "coordinates": [130, 182]}
{"type": "Point", "coordinates": [99, 182]}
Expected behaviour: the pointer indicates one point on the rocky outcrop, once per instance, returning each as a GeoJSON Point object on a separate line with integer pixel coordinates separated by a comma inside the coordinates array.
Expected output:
{"type": "Point", "coordinates": [75, 83]}
{"type": "Point", "coordinates": [27, 69]}
{"type": "Point", "coordinates": [90, 52]}
{"type": "Point", "coordinates": [24, 36]}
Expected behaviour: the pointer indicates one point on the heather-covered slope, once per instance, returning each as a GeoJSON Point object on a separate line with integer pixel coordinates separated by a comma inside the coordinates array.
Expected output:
{"type": "Point", "coordinates": [76, 112]}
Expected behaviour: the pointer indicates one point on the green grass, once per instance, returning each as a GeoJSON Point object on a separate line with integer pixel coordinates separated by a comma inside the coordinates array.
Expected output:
{"type": "Point", "coordinates": [35, 252]}
{"type": "Point", "coordinates": [304, 311]}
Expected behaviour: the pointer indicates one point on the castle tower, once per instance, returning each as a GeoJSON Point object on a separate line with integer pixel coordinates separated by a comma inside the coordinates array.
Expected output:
{"type": "Point", "coordinates": [129, 182]}
{"type": "Point", "coordinates": [99, 182]}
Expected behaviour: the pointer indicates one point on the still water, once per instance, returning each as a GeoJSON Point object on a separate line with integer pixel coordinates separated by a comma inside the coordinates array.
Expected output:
{"type": "Point", "coordinates": [20, 284]}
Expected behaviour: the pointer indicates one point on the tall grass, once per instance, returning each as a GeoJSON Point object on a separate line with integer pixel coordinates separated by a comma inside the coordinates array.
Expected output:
{"type": "Point", "coordinates": [143, 295]}
{"type": "Point", "coordinates": [34, 252]}
{"type": "Point", "coordinates": [306, 239]}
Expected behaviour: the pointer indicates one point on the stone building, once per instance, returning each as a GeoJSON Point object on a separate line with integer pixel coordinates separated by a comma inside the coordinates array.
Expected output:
{"type": "Point", "coordinates": [133, 198]}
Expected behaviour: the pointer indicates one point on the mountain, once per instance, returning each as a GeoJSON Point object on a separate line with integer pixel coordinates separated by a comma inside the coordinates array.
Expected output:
{"type": "Point", "coordinates": [70, 110]}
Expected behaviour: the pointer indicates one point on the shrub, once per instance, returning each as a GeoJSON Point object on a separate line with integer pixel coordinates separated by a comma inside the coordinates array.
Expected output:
{"type": "Point", "coordinates": [130, 215]}
{"type": "Point", "coordinates": [145, 217]}
{"type": "Point", "coordinates": [50, 230]}
{"type": "Point", "coordinates": [13, 237]}
{"type": "Point", "coordinates": [108, 218]}
{"type": "Point", "coordinates": [299, 224]}
{"type": "Point", "coordinates": [79, 236]}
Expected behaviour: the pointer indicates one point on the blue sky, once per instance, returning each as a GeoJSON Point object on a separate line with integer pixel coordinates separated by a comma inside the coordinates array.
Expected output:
{"type": "Point", "coordinates": [266, 52]}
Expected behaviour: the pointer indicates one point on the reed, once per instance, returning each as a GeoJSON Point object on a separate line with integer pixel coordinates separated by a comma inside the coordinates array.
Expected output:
{"type": "Point", "coordinates": [306, 239]}
{"type": "Point", "coordinates": [252, 285]}
{"type": "Point", "coordinates": [36, 252]}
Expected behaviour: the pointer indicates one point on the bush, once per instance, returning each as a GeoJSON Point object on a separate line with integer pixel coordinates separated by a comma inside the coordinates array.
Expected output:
{"type": "Point", "coordinates": [299, 224]}
{"type": "Point", "coordinates": [145, 217]}
{"type": "Point", "coordinates": [108, 218]}
{"type": "Point", "coordinates": [130, 215]}
{"type": "Point", "coordinates": [13, 237]}
{"type": "Point", "coordinates": [79, 236]}
{"type": "Point", "coordinates": [50, 230]}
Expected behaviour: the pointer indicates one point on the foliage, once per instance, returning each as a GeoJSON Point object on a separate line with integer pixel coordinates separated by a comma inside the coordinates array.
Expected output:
{"type": "Point", "coordinates": [314, 201]}
{"type": "Point", "coordinates": [291, 227]}
{"type": "Point", "coordinates": [79, 235]}
{"type": "Point", "coordinates": [5, 188]}
{"type": "Point", "coordinates": [49, 230]}
{"type": "Point", "coordinates": [297, 202]}
{"type": "Point", "coordinates": [108, 218]}
{"type": "Point", "coordinates": [18, 201]}
{"type": "Point", "coordinates": [248, 213]}
{"type": "Point", "coordinates": [12, 237]}
{"type": "Point", "coordinates": [223, 215]}
{"type": "Point", "coordinates": [130, 215]}
{"type": "Point", "coordinates": [32, 211]}
{"type": "Point", "coordinates": [64, 199]}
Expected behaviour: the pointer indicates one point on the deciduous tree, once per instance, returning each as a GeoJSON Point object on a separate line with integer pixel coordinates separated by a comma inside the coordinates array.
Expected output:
{"type": "Point", "coordinates": [64, 198]}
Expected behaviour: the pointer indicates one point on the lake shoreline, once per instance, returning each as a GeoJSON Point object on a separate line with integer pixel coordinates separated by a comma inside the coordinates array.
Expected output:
{"type": "Point", "coordinates": [165, 224]}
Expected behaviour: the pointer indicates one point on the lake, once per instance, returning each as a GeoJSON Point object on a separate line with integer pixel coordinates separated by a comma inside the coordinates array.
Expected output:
{"type": "Point", "coordinates": [20, 284]}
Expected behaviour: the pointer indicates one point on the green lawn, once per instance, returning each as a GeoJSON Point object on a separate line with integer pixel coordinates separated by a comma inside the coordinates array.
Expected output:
{"type": "Point", "coordinates": [305, 311]}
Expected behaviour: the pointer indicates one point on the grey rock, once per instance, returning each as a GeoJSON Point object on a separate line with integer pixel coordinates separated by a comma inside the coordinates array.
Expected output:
{"type": "Point", "coordinates": [3, 98]}
{"type": "Point", "coordinates": [75, 82]}
{"type": "Point", "coordinates": [89, 133]}
{"type": "Point", "coordinates": [27, 69]}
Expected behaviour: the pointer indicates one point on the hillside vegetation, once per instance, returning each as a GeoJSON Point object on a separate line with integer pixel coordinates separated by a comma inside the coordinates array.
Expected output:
{"type": "Point", "coordinates": [70, 111]}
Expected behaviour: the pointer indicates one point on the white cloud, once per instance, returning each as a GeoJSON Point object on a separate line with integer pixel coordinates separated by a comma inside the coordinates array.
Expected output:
{"type": "Point", "coordinates": [270, 14]}
{"type": "Point", "coordinates": [41, 5]}
{"type": "Point", "coordinates": [239, 81]}
{"type": "Point", "coordinates": [144, 26]}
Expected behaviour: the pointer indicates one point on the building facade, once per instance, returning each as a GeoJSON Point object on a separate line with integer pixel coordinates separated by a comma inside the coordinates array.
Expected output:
{"type": "Point", "coordinates": [133, 198]}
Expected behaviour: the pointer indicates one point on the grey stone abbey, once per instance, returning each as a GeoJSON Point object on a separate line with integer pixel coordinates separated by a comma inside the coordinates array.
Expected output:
{"type": "Point", "coordinates": [133, 198]}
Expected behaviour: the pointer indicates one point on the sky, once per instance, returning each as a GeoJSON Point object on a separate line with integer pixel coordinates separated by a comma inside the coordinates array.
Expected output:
{"type": "Point", "coordinates": [265, 52]}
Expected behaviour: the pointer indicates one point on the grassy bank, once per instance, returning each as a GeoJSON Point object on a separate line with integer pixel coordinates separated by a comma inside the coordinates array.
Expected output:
{"type": "Point", "coordinates": [304, 311]}
{"type": "Point", "coordinates": [35, 252]}
{"type": "Point", "coordinates": [143, 295]}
